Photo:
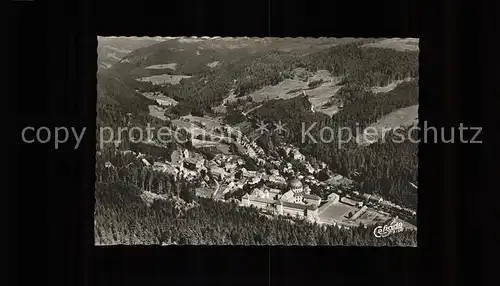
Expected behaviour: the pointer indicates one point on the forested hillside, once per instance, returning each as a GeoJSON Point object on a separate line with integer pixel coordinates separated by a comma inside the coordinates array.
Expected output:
{"type": "Point", "coordinates": [360, 67]}
{"type": "Point", "coordinates": [112, 49]}
{"type": "Point", "coordinates": [386, 168]}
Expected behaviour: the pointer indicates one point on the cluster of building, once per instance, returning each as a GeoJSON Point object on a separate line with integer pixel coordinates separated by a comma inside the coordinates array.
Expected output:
{"type": "Point", "coordinates": [269, 187]}
{"type": "Point", "coordinates": [271, 192]}
{"type": "Point", "coordinates": [230, 174]}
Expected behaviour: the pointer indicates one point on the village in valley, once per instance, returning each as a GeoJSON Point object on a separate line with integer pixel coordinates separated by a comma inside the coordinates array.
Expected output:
{"type": "Point", "coordinates": [226, 163]}
{"type": "Point", "coordinates": [289, 185]}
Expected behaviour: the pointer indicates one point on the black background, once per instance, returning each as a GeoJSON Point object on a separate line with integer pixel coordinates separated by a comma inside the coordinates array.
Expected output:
{"type": "Point", "coordinates": [55, 65]}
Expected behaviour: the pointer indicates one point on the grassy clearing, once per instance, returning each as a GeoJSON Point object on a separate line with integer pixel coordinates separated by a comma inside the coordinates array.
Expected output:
{"type": "Point", "coordinates": [157, 112]}
{"type": "Point", "coordinates": [402, 117]}
{"type": "Point", "coordinates": [116, 49]}
{"type": "Point", "coordinates": [207, 122]}
{"type": "Point", "coordinates": [171, 66]}
{"type": "Point", "coordinates": [160, 98]}
{"type": "Point", "coordinates": [336, 212]}
{"type": "Point", "coordinates": [326, 87]}
{"type": "Point", "coordinates": [201, 126]}
{"type": "Point", "coordinates": [164, 79]}
{"type": "Point", "coordinates": [370, 217]}
{"type": "Point", "coordinates": [389, 87]}
{"type": "Point", "coordinates": [321, 95]}
{"type": "Point", "coordinates": [213, 64]}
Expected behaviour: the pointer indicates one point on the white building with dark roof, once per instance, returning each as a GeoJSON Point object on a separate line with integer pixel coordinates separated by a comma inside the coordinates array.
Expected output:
{"type": "Point", "coordinates": [294, 202]}
{"type": "Point", "coordinates": [333, 197]}
{"type": "Point", "coordinates": [348, 201]}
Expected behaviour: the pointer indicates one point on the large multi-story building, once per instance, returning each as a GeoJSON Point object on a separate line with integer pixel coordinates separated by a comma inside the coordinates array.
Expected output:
{"type": "Point", "coordinates": [294, 202]}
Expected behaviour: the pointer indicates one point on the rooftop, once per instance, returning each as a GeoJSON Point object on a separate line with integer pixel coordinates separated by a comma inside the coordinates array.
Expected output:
{"type": "Point", "coordinates": [311, 197]}
{"type": "Point", "coordinates": [264, 200]}
{"type": "Point", "coordinates": [299, 206]}
{"type": "Point", "coordinates": [348, 201]}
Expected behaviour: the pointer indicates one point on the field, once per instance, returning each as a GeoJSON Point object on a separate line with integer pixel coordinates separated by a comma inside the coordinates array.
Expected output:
{"type": "Point", "coordinates": [290, 88]}
{"type": "Point", "coordinates": [320, 96]}
{"type": "Point", "coordinates": [207, 122]}
{"type": "Point", "coordinates": [213, 64]}
{"type": "Point", "coordinates": [371, 216]}
{"type": "Point", "coordinates": [157, 112]}
{"type": "Point", "coordinates": [188, 122]}
{"type": "Point", "coordinates": [171, 66]}
{"type": "Point", "coordinates": [389, 87]}
{"type": "Point", "coordinates": [160, 98]}
{"type": "Point", "coordinates": [336, 212]}
{"type": "Point", "coordinates": [164, 79]}
{"type": "Point", "coordinates": [401, 117]}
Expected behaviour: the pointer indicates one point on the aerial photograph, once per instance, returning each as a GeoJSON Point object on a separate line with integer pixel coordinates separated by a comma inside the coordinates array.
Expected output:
{"type": "Point", "coordinates": [257, 141]}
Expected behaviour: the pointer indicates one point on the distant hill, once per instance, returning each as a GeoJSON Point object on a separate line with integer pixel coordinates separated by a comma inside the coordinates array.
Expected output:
{"type": "Point", "coordinates": [194, 55]}
{"type": "Point", "coordinates": [201, 73]}
{"type": "Point", "coordinates": [408, 44]}
{"type": "Point", "coordinates": [115, 98]}
{"type": "Point", "coordinates": [112, 49]}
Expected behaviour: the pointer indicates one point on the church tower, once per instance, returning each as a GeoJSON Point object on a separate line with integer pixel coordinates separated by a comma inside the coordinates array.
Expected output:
{"type": "Point", "coordinates": [296, 187]}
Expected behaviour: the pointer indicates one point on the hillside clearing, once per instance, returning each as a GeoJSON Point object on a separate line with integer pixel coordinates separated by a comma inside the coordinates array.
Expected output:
{"type": "Point", "coordinates": [171, 66]}
{"type": "Point", "coordinates": [113, 56]}
{"type": "Point", "coordinates": [335, 213]}
{"type": "Point", "coordinates": [371, 216]}
{"type": "Point", "coordinates": [327, 87]}
{"type": "Point", "coordinates": [118, 49]}
{"type": "Point", "coordinates": [164, 79]}
{"type": "Point", "coordinates": [207, 122]}
{"type": "Point", "coordinates": [329, 111]}
{"type": "Point", "coordinates": [105, 65]}
{"type": "Point", "coordinates": [157, 112]}
{"type": "Point", "coordinates": [213, 64]}
{"type": "Point", "coordinates": [160, 98]}
{"type": "Point", "coordinates": [193, 128]}
{"type": "Point", "coordinates": [321, 95]}
{"type": "Point", "coordinates": [392, 85]}
{"type": "Point", "coordinates": [409, 44]}
{"type": "Point", "coordinates": [403, 117]}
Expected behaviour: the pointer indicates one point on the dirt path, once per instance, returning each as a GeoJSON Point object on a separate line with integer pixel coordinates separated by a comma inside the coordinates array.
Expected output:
{"type": "Point", "coordinates": [252, 109]}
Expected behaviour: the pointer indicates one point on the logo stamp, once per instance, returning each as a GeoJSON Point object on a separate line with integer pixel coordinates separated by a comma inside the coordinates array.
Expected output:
{"type": "Point", "coordinates": [386, 230]}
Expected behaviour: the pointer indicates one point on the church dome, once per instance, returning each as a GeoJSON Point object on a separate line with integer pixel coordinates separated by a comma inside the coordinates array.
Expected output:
{"type": "Point", "coordinates": [295, 184]}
